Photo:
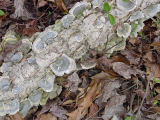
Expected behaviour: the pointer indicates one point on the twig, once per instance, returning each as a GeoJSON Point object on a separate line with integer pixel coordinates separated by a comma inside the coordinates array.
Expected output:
{"type": "Point", "coordinates": [145, 95]}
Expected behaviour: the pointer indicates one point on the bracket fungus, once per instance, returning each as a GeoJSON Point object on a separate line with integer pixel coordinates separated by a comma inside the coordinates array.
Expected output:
{"type": "Point", "coordinates": [4, 83]}
{"type": "Point", "coordinates": [78, 8]}
{"type": "Point", "coordinates": [126, 6]}
{"type": "Point", "coordinates": [10, 37]}
{"type": "Point", "coordinates": [35, 97]}
{"type": "Point", "coordinates": [43, 40]}
{"type": "Point", "coordinates": [67, 20]}
{"type": "Point", "coordinates": [29, 71]}
{"type": "Point", "coordinates": [47, 82]}
{"type": "Point", "coordinates": [151, 10]}
{"type": "Point", "coordinates": [124, 30]}
{"type": "Point", "coordinates": [9, 107]}
{"type": "Point", "coordinates": [63, 65]}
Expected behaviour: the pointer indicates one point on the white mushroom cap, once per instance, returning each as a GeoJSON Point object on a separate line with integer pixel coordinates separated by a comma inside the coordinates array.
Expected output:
{"type": "Point", "coordinates": [63, 65]}
{"type": "Point", "coordinates": [136, 15]}
{"type": "Point", "coordinates": [126, 6]}
{"type": "Point", "coordinates": [124, 30]}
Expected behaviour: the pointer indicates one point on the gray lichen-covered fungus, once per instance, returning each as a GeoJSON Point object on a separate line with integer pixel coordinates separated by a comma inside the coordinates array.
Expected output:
{"type": "Point", "coordinates": [30, 72]}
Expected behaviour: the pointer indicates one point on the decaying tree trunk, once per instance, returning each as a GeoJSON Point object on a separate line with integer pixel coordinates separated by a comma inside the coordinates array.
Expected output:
{"type": "Point", "coordinates": [29, 71]}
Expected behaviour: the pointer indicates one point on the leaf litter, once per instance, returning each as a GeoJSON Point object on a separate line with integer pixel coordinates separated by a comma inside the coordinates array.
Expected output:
{"type": "Point", "coordinates": [126, 85]}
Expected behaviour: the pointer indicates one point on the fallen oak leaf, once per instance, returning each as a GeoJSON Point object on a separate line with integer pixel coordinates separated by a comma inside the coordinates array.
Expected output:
{"type": "Point", "coordinates": [93, 112]}
{"type": "Point", "coordinates": [85, 102]}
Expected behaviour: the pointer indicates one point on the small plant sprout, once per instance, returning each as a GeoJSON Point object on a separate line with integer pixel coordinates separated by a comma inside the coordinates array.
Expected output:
{"type": "Point", "coordinates": [155, 102]}
{"type": "Point", "coordinates": [2, 13]}
{"type": "Point", "coordinates": [156, 80]}
{"type": "Point", "coordinates": [129, 118]}
{"type": "Point", "coordinates": [107, 9]}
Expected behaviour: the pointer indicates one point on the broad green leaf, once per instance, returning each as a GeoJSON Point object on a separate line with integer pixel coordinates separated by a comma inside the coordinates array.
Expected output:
{"type": "Point", "coordinates": [126, 0]}
{"type": "Point", "coordinates": [107, 7]}
{"type": "Point", "coordinates": [111, 19]}
{"type": "Point", "coordinates": [2, 13]}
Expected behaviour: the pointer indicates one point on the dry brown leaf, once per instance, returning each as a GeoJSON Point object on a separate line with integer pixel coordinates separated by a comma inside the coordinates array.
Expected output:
{"type": "Point", "coordinates": [124, 70]}
{"type": "Point", "coordinates": [42, 3]}
{"type": "Point", "coordinates": [153, 69]}
{"type": "Point", "coordinates": [17, 116]}
{"type": "Point", "coordinates": [62, 6]}
{"type": "Point", "coordinates": [157, 89]}
{"type": "Point", "coordinates": [149, 57]}
{"type": "Point", "coordinates": [73, 82]}
{"type": "Point", "coordinates": [135, 41]}
{"type": "Point", "coordinates": [58, 111]}
{"type": "Point", "coordinates": [109, 89]}
{"type": "Point", "coordinates": [157, 109]}
{"type": "Point", "coordinates": [67, 102]}
{"type": "Point", "coordinates": [114, 107]}
{"type": "Point", "coordinates": [131, 56]}
{"type": "Point", "coordinates": [47, 116]}
{"type": "Point", "coordinates": [29, 28]}
{"type": "Point", "coordinates": [93, 112]}
{"type": "Point", "coordinates": [85, 102]}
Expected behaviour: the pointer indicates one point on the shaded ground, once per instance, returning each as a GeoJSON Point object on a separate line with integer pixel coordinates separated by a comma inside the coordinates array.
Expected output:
{"type": "Point", "coordinates": [125, 86]}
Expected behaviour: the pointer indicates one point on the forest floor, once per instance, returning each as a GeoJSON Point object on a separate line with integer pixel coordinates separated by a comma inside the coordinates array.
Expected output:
{"type": "Point", "coordinates": [129, 91]}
